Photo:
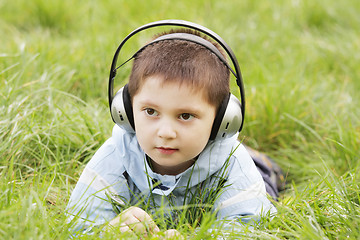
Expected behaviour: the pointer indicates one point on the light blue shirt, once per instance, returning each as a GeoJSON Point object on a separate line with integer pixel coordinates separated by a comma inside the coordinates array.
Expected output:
{"type": "Point", "coordinates": [119, 172]}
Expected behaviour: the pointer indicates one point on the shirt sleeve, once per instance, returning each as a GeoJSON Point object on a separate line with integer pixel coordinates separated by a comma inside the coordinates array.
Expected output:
{"type": "Point", "coordinates": [99, 187]}
{"type": "Point", "coordinates": [243, 199]}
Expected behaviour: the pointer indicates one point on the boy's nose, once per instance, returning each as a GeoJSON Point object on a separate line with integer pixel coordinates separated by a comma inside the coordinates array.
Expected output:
{"type": "Point", "coordinates": [166, 130]}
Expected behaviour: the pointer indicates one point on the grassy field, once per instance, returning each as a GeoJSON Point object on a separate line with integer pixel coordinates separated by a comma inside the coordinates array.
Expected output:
{"type": "Point", "coordinates": [300, 62]}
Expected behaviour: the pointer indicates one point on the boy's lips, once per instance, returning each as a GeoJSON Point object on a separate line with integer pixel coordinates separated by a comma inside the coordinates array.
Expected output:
{"type": "Point", "coordinates": [167, 150]}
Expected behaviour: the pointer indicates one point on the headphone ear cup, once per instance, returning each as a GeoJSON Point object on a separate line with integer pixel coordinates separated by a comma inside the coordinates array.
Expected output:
{"type": "Point", "coordinates": [228, 120]}
{"type": "Point", "coordinates": [121, 110]}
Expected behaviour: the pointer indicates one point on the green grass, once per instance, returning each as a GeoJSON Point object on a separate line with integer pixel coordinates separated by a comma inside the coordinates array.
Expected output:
{"type": "Point", "coordinates": [300, 63]}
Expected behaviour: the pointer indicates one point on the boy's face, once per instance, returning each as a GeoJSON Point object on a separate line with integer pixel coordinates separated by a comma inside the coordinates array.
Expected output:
{"type": "Point", "coordinates": [173, 124]}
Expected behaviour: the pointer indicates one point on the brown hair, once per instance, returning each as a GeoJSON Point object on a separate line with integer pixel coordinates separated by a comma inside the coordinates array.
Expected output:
{"type": "Point", "coordinates": [183, 62]}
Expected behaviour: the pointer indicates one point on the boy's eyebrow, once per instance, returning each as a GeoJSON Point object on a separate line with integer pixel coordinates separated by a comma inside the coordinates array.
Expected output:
{"type": "Point", "coordinates": [187, 109]}
{"type": "Point", "coordinates": [190, 109]}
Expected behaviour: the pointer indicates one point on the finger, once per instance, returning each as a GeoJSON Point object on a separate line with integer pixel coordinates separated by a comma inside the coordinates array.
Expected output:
{"type": "Point", "coordinates": [145, 218]}
{"type": "Point", "coordinates": [141, 228]}
{"type": "Point", "coordinates": [126, 217]}
{"type": "Point", "coordinates": [121, 218]}
{"type": "Point", "coordinates": [173, 234]}
{"type": "Point", "coordinates": [148, 223]}
{"type": "Point", "coordinates": [136, 220]}
{"type": "Point", "coordinates": [124, 228]}
{"type": "Point", "coordinates": [139, 213]}
{"type": "Point", "coordinates": [132, 224]}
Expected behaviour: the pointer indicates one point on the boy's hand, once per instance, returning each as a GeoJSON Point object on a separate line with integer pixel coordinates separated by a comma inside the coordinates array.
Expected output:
{"type": "Point", "coordinates": [135, 220]}
{"type": "Point", "coordinates": [173, 234]}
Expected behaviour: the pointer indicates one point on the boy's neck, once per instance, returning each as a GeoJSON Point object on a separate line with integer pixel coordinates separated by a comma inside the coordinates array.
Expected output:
{"type": "Point", "coordinates": [169, 170]}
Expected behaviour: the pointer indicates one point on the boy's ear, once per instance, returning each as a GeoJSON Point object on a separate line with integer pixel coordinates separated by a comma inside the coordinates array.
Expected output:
{"type": "Point", "coordinates": [121, 110]}
{"type": "Point", "coordinates": [228, 119]}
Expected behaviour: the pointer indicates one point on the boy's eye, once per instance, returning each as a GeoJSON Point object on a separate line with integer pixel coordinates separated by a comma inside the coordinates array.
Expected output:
{"type": "Point", "coordinates": [150, 112]}
{"type": "Point", "coordinates": [186, 116]}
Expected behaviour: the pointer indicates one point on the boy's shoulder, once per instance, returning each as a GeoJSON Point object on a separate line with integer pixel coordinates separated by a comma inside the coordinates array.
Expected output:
{"type": "Point", "coordinates": [235, 150]}
{"type": "Point", "coordinates": [241, 164]}
{"type": "Point", "coordinates": [222, 152]}
{"type": "Point", "coordinates": [239, 151]}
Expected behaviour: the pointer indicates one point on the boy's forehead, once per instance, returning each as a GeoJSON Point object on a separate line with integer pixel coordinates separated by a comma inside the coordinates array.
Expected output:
{"type": "Point", "coordinates": [178, 85]}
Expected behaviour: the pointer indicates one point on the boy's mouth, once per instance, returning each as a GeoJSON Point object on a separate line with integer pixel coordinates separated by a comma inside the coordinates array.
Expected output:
{"type": "Point", "coordinates": [167, 150]}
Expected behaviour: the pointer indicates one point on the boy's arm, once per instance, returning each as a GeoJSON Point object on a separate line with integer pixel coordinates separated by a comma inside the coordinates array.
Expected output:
{"type": "Point", "coordinates": [100, 184]}
{"type": "Point", "coordinates": [244, 199]}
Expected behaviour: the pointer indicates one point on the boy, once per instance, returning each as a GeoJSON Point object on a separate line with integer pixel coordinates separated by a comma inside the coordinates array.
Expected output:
{"type": "Point", "coordinates": [176, 88]}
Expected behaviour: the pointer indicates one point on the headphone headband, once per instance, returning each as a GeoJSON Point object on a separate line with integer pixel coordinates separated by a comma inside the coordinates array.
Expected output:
{"type": "Point", "coordinates": [194, 26]}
